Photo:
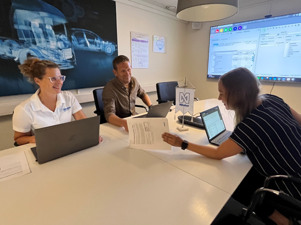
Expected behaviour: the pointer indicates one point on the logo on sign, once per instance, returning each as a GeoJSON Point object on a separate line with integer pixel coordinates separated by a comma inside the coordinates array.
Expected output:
{"type": "Point", "coordinates": [184, 98]}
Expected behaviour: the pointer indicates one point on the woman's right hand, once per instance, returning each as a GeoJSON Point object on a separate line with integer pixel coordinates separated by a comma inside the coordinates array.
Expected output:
{"type": "Point", "coordinates": [172, 139]}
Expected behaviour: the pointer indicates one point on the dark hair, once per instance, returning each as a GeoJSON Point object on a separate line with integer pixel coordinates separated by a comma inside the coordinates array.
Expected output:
{"type": "Point", "coordinates": [34, 67]}
{"type": "Point", "coordinates": [241, 91]}
{"type": "Point", "coordinates": [119, 59]}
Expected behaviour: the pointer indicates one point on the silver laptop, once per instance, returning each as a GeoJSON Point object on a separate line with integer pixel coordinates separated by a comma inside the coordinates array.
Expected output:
{"type": "Point", "coordinates": [215, 126]}
{"type": "Point", "coordinates": [63, 139]}
{"type": "Point", "coordinates": [159, 110]}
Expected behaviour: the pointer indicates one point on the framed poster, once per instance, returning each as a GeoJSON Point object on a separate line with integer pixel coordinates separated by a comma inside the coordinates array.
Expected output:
{"type": "Point", "coordinates": [79, 35]}
{"type": "Point", "coordinates": [140, 50]}
{"type": "Point", "coordinates": [158, 44]}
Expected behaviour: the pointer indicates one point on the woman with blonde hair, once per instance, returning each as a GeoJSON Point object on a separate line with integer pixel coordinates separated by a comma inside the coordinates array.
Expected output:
{"type": "Point", "coordinates": [48, 106]}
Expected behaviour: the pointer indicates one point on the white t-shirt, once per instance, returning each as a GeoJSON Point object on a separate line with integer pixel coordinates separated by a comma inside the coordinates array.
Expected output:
{"type": "Point", "coordinates": [32, 114]}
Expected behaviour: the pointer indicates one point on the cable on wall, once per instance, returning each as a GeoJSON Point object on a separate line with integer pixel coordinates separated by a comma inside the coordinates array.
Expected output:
{"type": "Point", "coordinates": [272, 88]}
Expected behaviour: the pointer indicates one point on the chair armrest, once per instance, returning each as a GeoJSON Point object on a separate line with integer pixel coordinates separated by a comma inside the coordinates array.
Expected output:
{"type": "Point", "coordinates": [257, 199]}
{"type": "Point", "coordinates": [269, 179]}
{"type": "Point", "coordinates": [142, 106]}
{"type": "Point", "coordinates": [280, 198]}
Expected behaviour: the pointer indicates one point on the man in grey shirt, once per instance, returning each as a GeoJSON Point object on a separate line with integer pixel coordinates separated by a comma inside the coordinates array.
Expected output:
{"type": "Point", "coordinates": [119, 94]}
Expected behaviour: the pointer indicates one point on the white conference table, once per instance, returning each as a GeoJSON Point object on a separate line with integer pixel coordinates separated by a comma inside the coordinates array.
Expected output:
{"type": "Point", "coordinates": [225, 174]}
{"type": "Point", "coordinates": [114, 184]}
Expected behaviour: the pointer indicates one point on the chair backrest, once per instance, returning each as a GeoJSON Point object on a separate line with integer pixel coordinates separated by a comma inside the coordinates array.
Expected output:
{"type": "Point", "coordinates": [166, 91]}
{"type": "Point", "coordinates": [97, 94]}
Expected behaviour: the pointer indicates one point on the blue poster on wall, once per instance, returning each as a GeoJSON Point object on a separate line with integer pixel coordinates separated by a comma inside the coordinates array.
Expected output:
{"type": "Point", "coordinates": [78, 35]}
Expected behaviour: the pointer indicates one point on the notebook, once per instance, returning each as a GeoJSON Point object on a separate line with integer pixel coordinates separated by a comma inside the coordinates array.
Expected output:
{"type": "Point", "coordinates": [215, 126]}
{"type": "Point", "coordinates": [159, 110]}
{"type": "Point", "coordinates": [63, 139]}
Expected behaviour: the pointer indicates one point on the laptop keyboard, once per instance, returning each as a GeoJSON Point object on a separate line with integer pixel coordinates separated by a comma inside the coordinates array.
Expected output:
{"type": "Point", "coordinates": [196, 121]}
{"type": "Point", "coordinates": [221, 138]}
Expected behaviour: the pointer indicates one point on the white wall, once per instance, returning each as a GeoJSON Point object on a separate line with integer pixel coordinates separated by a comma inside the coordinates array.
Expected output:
{"type": "Point", "coordinates": [198, 44]}
{"type": "Point", "coordinates": [162, 67]}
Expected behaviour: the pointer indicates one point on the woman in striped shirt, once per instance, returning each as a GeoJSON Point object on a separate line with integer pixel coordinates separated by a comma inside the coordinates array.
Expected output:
{"type": "Point", "coordinates": [267, 130]}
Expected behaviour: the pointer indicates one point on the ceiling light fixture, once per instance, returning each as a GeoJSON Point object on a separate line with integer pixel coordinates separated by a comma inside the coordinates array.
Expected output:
{"type": "Point", "coordinates": [206, 10]}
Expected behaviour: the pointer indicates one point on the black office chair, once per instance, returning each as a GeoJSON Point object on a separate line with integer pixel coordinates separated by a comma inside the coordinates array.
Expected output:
{"type": "Point", "coordinates": [250, 215]}
{"type": "Point", "coordinates": [97, 94]}
{"type": "Point", "coordinates": [166, 91]}
{"type": "Point", "coordinates": [280, 200]}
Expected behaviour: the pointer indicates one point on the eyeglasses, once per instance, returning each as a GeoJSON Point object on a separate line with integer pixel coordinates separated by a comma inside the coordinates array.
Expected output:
{"type": "Point", "coordinates": [55, 79]}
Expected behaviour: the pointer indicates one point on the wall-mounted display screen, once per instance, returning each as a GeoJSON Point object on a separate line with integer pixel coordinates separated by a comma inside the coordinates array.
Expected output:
{"type": "Point", "coordinates": [270, 48]}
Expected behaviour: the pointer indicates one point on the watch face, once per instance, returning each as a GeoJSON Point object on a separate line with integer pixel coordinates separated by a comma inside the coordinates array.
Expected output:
{"type": "Point", "coordinates": [184, 145]}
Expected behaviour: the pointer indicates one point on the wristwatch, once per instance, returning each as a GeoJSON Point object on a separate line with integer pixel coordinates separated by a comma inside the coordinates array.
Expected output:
{"type": "Point", "coordinates": [184, 145]}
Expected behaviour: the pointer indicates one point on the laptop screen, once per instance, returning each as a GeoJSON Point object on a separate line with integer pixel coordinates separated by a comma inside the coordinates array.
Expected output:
{"type": "Point", "coordinates": [160, 110]}
{"type": "Point", "coordinates": [213, 122]}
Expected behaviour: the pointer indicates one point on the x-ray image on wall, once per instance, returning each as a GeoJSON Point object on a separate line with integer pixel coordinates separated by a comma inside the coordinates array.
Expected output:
{"type": "Point", "coordinates": [79, 35]}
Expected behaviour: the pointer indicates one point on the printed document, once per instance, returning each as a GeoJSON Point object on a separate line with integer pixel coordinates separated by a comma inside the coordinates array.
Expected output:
{"type": "Point", "coordinates": [145, 133]}
{"type": "Point", "coordinates": [13, 165]}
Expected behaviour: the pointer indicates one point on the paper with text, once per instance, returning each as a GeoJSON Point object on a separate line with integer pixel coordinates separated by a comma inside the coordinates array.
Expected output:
{"type": "Point", "coordinates": [145, 133]}
{"type": "Point", "coordinates": [140, 50]}
{"type": "Point", "coordinates": [13, 165]}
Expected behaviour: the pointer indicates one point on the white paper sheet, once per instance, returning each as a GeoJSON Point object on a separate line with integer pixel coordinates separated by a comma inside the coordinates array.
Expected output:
{"type": "Point", "coordinates": [140, 50]}
{"type": "Point", "coordinates": [145, 133]}
{"type": "Point", "coordinates": [13, 165]}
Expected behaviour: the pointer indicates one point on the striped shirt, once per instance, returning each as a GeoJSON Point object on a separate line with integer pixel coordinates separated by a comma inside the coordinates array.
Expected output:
{"type": "Point", "coordinates": [271, 137]}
